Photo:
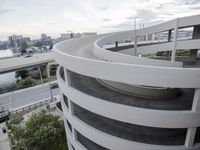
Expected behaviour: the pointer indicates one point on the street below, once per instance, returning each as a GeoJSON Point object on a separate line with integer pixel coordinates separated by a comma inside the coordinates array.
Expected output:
{"type": "Point", "coordinates": [13, 100]}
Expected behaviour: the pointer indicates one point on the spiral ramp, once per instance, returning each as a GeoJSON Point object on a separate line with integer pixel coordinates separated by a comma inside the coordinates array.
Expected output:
{"type": "Point", "coordinates": [114, 99]}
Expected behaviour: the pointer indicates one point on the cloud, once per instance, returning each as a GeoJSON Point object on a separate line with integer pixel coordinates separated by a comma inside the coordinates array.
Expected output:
{"type": "Point", "coordinates": [104, 8]}
{"type": "Point", "coordinates": [190, 2]}
{"type": "Point", "coordinates": [4, 11]}
{"type": "Point", "coordinates": [106, 20]}
{"type": "Point", "coordinates": [50, 16]}
{"type": "Point", "coordinates": [124, 25]}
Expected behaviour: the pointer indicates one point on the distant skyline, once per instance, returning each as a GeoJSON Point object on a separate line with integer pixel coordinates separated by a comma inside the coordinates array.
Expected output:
{"type": "Point", "coordinates": [33, 17]}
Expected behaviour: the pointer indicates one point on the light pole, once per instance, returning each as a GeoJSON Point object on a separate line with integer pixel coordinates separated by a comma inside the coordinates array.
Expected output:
{"type": "Point", "coordinates": [50, 91]}
{"type": "Point", "coordinates": [135, 38]}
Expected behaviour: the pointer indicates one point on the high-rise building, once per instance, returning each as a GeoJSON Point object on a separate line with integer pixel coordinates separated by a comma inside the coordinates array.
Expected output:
{"type": "Point", "coordinates": [115, 99]}
{"type": "Point", "coordinates": [16, 42]}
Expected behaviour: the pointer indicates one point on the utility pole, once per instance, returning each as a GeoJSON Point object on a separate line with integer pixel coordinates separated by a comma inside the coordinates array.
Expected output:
{"type": "Point", "coordinates": [50, 91]}
{"type": "Point", "coordinates": [135, 38]}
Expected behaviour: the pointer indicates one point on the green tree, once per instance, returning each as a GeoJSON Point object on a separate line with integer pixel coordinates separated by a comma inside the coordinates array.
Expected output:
{"type": "Point", "coordinates": [27, 82]}
{"type": "Point", "coordinates": [24, 45]}
{"type": "Point", "coordinates": [22, 73]}
{"type": "Point", "coordinates": [42, 132]}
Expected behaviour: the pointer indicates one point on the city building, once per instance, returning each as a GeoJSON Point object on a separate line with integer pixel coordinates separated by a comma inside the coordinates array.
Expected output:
{"type": "Point", "coordinates": [45, 40]}
{"type": "Point", "coordinates": [17, 43]}
{"type": "Point", "coordinates": [115, 99]}
{"type": "Point", "coordinates": [14, 41]}
{"type": "Point", "coordinates": [3, 45]}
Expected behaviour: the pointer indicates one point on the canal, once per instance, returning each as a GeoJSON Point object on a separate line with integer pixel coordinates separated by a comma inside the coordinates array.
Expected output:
{"type": "Point", "coordinates": [7, 80]}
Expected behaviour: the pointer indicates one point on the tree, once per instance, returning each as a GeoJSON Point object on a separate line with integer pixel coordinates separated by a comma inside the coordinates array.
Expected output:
{"type": "Point", "coordinates": [22, 73]}
{"type": "Point", "coordinates": [42, 132]}
{"type": "Point", "coordinates": [24, 45]}
{"type": "Point", "coordinates": [27, 82]}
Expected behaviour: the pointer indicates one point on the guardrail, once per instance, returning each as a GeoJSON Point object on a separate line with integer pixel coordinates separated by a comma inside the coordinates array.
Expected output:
{"type": "Point", "coordinates": [25, 109]}
{"type": "Point", "coordinates": [15, 55]}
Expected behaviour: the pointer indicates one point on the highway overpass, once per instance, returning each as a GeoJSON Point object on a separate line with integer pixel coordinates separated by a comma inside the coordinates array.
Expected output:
{"type": "Point", "coordinates": [19, 63]}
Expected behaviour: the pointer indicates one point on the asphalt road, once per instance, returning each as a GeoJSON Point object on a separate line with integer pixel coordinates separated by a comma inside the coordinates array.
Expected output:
{"type": "Point", "coordinates": [23, 97]}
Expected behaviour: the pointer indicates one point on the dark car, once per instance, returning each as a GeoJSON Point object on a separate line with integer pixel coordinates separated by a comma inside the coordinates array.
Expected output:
{"type": "Point", "coordinates": [4, 130]}
{"type": "Point", "coordinates": [54, 85]}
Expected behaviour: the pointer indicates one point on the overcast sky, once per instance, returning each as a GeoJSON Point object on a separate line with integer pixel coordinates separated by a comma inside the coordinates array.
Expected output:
{"type": "Point", "coordinates": [33, 17]}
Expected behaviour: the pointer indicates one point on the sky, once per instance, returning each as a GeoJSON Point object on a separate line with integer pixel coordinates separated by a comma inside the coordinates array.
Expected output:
{"type": "Point", "coordinates": [33, 17]}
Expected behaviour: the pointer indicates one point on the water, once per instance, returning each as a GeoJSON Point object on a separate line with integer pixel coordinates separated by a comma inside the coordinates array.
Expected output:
{"type": "Point", "coordinates": [6, 53]}
{"type": "Point", "coordinates": [7, 80]}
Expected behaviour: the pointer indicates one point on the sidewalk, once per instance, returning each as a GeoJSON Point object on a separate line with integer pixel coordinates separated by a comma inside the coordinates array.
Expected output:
{"type": "Point", "coordinates": [4, 143]}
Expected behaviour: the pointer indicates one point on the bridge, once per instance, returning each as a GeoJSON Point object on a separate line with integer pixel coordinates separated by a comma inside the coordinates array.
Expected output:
{"type": "Point", "coordinates": [19, 63]}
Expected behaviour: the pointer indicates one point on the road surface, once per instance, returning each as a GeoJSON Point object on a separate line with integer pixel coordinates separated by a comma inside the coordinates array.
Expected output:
{"type": "Point", "coordinates": [23, 97]}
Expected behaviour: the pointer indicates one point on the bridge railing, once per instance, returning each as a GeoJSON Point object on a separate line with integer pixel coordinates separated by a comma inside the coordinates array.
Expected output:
{"type": "Point", "coordinates": [25, 109]}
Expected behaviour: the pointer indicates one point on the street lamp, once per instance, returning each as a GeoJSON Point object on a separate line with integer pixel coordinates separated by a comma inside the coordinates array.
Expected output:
{"type": "Point", "coordinates": [50, 91]}
{"type": "Point", "coordinates": [135, 38]}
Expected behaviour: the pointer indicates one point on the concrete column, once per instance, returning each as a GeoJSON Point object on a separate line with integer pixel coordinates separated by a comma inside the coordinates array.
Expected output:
{"type": "Point", "coordinates": [152, 37]}
{"type": "Point", "coordinates": [193, 54]}
{"type": "Point", "coordinates": [41, 78]}
{"type": "Point", "coordinates": [192, 131]}
{"type": "Point", "coordinates": [74, 133]}
{"type": "Point", "coordinates": [71, 108]}
{"type": "Point", "coordinates": [146, 37]}
{"type": "Point", "coordinates": [71, 111]}
{"type": "Point", "coordinates": [196, 32]}
{"type": "Point", "coordinates": [189, 141]}
{"type": "Point", "coordinates": [175, 40]}
{"type": "Point", "coordinates": [169, 35]}
{"type": "Point", "coordinates": [196, 101]}
{"type": "Point", "coordinates": [68, 141]}
{"type": "Point", "coordinates": [48, 67]}
{"type": "Point", "coordinates": [69, 145]}
{"type": "Point", "coordinates": [67, 78]}
{"type": "Point", "coordinates": [195, 35]}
